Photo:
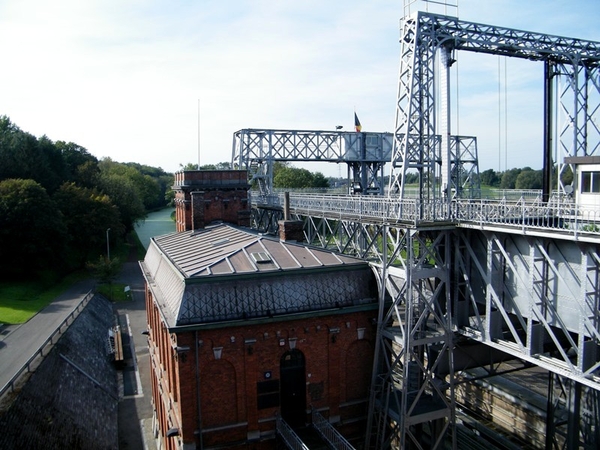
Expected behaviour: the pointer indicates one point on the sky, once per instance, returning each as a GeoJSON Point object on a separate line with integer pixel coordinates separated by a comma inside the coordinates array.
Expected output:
{"type": "Point", "coordinates": [159, 82]}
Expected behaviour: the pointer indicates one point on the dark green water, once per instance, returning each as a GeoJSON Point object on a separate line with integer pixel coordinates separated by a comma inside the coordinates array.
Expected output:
{"type": "Point", "coordinates": [156, 224]}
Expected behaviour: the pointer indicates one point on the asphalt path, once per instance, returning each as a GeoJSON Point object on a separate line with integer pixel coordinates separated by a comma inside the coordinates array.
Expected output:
{"type": "Point", "coordinates": [135, 408]}
{"type": "Point", "coordinates": [18, 343]}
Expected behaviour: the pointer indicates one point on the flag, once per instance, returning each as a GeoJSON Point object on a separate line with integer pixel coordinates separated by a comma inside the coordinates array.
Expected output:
{"type": "Point", "coordinates": [357, 124]}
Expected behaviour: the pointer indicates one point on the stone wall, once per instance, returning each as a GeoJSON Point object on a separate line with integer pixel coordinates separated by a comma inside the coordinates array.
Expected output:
{"type": "Point", "coordinates": [71, 401]}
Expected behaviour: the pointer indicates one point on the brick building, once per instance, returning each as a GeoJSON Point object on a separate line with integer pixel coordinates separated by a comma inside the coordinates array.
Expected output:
{"type": "Point", "coordinates": [243, 327]}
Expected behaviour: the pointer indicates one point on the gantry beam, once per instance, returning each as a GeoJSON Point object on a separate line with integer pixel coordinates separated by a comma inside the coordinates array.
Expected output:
{"type": "Point", "coordinates": [365, 153]}
{"type": "Point", "coordinates": [423, 104]}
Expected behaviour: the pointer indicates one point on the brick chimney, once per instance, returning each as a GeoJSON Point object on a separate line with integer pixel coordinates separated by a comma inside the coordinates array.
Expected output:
{"type": "Point", "coordinates": [205, 196]}
{"type": "Point", "coordinates": [290, 230]}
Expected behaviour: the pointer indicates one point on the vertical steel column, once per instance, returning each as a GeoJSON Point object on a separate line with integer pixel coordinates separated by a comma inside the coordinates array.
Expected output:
{"type": "Point", "coordinates": [548, 130]}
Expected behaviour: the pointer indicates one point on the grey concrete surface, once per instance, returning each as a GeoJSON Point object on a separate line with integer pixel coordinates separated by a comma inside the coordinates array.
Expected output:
{"type": "Point", "coordinates": [19, 342]}
{"type": "Point", "coordinates": [135, 408]}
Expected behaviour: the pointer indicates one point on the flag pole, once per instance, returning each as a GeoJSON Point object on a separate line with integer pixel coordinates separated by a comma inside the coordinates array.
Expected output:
{"type": "Point", "coordinates": [198, 134]}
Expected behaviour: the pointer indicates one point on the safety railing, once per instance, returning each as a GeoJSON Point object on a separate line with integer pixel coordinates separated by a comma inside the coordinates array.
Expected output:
{"type": "Point", "coordinates": [525, 213]}
{"type": "Point", "coordinates": [330, 434]}
{"type": "Point", "coordinates": [27, 367]}
{"type": "Point", "coordinates": [291, 439]}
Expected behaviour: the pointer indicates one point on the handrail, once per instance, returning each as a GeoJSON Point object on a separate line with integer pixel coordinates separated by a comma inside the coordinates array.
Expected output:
{"type": "Point", "coordinates": [330, 434]}
{"type": "Point", "coordinates": [288, 435]}
{"type": "Point", "coordinates": [558, 214]}
{"type": "Point", "coordinates": [50, 341]}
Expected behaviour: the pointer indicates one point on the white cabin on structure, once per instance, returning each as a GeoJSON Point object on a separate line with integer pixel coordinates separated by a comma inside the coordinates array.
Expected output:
{"type": "Point", "coordinates": [587, 181]}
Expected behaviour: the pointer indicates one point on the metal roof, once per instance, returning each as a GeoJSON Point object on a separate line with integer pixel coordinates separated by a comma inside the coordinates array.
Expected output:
{"type": "Point", "coordinates": [224, 273]}
{"type": "Point", "coordinates": [227, 250]}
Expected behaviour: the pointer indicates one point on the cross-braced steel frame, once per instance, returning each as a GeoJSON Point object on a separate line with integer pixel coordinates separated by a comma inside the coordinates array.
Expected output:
{"type": "Point", "coordinates": [411, 404]}
{"type": "Point", "coordinates": [423, 110]}
{"type": "Point", "coordinates": [527, 294]}
{"type": "Point", "coordinates": [365, 155]}
{"type": "Point", "coordinates": [534, 297]}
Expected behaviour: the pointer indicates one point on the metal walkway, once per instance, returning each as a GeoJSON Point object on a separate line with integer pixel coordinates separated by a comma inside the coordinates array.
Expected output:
{"type": "Point", "coordinates": [327, 436]}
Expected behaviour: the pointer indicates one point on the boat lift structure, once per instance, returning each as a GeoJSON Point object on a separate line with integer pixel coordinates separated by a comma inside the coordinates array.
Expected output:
{"type": "Point", "coordinates": [518, 277]}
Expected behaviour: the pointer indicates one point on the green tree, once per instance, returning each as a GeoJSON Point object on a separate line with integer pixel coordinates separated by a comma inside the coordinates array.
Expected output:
{"type": "Point", "coordinates": [285, 176]}
{"type": "Point", "coordinates": [319, 180]}
{"type": "Point", "coordinates": [80, 166]}
{"type": "Point", "coordinates": [32, 231]}
{"type": "Point", "coordinates": [293, 178]}
{"type": "Point", "coordinates": [125, 197]}
{"type": "Point", "coordinates": [489, 178]}
{"type": "Point", "coordinates": [105, 270]}
{"type": "Point", "coordinates": [22, 156]}
{"type": "Point", "coordinates": [87, 215]}
{"type": "Point", "coordinates": [566, 177]}
{"type": "Point", "coordinates": [529, 179]}
{"type": "Point", "coordinates": [509, 178]}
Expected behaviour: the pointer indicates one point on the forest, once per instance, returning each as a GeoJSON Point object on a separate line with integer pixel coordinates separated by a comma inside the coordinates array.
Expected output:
{"type": "Point", "coordinates": [59, 203]}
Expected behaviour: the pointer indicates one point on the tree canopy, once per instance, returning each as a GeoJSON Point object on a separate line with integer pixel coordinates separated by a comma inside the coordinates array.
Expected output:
{"type": "Point", "coordinates": [57, 201]}
{"type": "Point", "coordinates": [285, 176]}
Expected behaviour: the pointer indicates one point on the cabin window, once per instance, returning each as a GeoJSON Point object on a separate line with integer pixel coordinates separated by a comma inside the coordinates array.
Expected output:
{"type": "Point", "coordinates": [590, 182]}
{"type": "Point", "coordinates": [372, 140]}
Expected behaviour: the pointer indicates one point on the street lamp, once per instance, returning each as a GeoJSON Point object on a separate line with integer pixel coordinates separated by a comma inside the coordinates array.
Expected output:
{"type": "Point", "coordinates": [107, 245]}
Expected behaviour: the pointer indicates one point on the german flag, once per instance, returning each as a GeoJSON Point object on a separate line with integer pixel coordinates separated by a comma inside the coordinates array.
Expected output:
{"type": "Point", "coordinates": [357, 124]}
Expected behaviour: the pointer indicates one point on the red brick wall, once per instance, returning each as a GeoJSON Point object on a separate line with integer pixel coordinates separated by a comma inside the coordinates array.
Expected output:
{"type": "Point", "coordinates": [202, 197]}
{"type": "Point", "coordinates": [338, 367]}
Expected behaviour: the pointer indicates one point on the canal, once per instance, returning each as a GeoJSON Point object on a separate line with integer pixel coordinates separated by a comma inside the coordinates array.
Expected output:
{"type": "Point", "coordinates": [156, 224]}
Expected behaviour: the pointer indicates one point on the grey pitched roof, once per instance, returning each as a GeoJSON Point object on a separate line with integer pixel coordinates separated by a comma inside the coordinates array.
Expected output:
{"type": "Point", "coordinates": [226, 250]}
{"type": "Point", "coordinates": [225, 273]}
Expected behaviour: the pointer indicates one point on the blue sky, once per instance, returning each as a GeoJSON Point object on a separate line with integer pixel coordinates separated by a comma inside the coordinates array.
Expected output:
{"type": "Point", "coordinates": [123, 78]}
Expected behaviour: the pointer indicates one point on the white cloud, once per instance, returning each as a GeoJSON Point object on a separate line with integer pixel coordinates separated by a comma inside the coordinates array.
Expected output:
{"type": "Point", "coordinates": [123, 78]}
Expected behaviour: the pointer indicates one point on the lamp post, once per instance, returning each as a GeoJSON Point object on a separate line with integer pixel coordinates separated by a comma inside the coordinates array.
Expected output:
{"type": "Point", "coordinates": [107, 245]}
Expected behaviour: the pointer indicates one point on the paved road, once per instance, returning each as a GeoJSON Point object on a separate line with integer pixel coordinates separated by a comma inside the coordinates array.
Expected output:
{"type": "Point", "coordinates": [19, 342]}
{"type": "Point", "coordinates": [135, 409]}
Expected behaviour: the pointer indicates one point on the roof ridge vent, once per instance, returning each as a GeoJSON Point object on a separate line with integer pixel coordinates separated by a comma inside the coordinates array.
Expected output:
{"type": "Point", "coordinates": [261, 257]}
{"type": "Point", "coordinates": [220, 242]}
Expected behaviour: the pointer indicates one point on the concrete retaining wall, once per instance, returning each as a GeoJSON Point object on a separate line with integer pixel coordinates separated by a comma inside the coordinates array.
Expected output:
{"type": "Point", "coordinates": [71, 401]}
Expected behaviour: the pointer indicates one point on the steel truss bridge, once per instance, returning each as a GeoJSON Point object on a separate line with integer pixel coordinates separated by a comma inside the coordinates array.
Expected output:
{"type": "Point", "coordinates": [364, 153]}
{"type": "Point", "coordinates": [460, 274]}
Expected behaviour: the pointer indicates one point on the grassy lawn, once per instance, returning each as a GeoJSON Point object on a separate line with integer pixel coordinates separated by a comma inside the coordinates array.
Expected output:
{"type": "Point", "coordinates": [115, 292]}
{"type": "Point", "coordinates": [19, 301]}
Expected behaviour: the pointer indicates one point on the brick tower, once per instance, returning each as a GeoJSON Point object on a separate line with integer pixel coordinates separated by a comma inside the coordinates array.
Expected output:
{"type": "Point", "coordinates": [205, 196]}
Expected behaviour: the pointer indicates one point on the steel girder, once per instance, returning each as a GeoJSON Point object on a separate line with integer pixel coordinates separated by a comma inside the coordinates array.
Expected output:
{"type": "Point", "coordinates": [365, 153]}
{"type": "Point", "coordinates": [536, 298]}
{"type": "Point", "coordinates": [532, 297]}
{"type": "Point", "coordinates": [415, 144]}
{"type": "Point", "coordinates": [423, 35]}
{"type": "Point", "coordinates": [265, 219]}
{"type": "Point", "coordinates": [573, 415]}
{"type": "Point", "coordinates": [464, 167]}
{"type": "Point", "coordinates": [410, 405]}
{"type": "Point", "coordinates": [578, 112]}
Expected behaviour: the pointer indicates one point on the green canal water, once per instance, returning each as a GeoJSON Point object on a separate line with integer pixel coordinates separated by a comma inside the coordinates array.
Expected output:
{"type": "Point", "coordinates": [156, 224]}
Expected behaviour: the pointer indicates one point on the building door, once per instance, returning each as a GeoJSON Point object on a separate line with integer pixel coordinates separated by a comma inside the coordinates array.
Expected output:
{"type": "Point", "coordinates": [293, 388]}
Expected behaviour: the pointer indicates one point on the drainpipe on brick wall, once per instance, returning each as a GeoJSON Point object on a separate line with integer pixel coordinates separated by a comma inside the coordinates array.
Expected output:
{"type": "Point", "coordinates": [286, 206]}
{"type": "Point", "coordinates": [198, 398]}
